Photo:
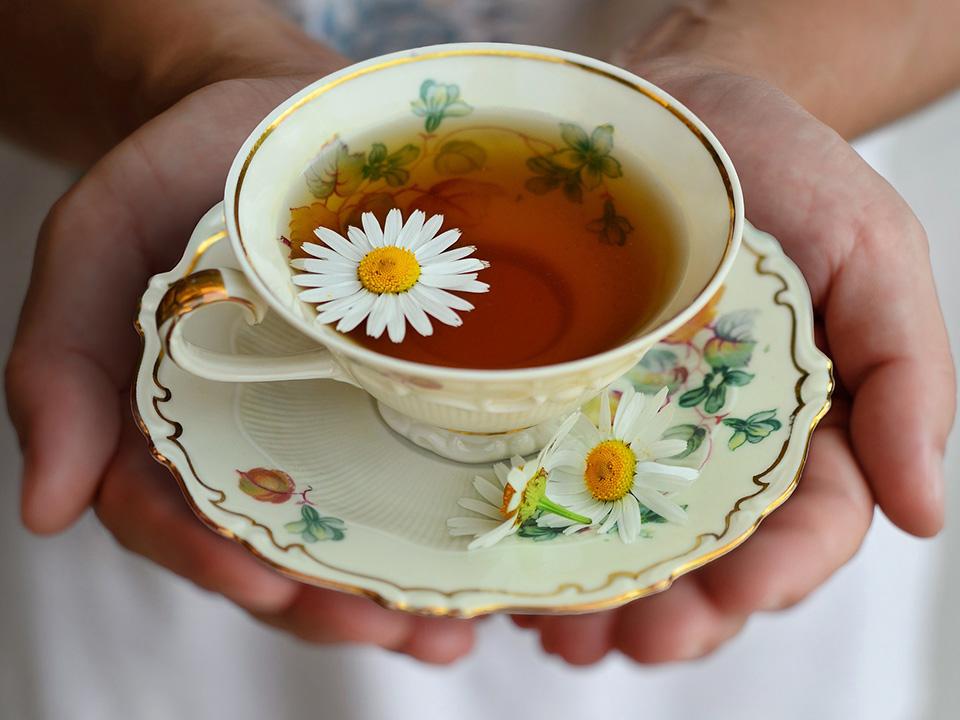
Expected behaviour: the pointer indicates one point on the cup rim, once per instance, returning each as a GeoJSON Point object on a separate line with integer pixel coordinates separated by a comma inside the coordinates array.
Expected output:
{"type": "Point", "coordinates": [340, 344]}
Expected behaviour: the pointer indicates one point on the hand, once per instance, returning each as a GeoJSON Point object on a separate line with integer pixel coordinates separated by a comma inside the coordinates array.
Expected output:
{"type": "Point", "coordinates": [865, 258]}
{"type": "Point", "coordinates": [69, 373]}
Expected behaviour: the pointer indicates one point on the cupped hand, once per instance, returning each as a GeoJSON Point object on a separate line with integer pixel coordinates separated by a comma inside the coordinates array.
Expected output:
{"type": "Point", "coordinates": [70, 369]}
{"type": "Point", "coordinates": [865, 258]}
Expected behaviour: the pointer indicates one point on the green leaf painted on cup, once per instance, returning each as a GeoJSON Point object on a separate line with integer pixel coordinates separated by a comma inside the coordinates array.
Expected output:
{"type": "Point", "coordinates": [459, 157]}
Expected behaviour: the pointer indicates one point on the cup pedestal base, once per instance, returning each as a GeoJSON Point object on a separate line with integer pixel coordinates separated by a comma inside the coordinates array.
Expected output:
{"type": "Point", "coordinates": [469, 447]}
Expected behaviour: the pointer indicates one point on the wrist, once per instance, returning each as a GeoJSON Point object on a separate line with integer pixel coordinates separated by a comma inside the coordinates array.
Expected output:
{"type": "Point", "coordinates": [219, 40]}
{"type": "Point", "coordinates": [707, 38]}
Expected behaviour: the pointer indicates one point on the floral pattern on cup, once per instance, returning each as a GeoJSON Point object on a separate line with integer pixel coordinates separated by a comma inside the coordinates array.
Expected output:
{"type": "Point", "coordinates": [438, 101]}
{"type": "Point", "coordinates": [346, 183]}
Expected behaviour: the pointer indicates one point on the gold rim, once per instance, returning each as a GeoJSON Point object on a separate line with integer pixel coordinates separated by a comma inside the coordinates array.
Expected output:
{"type": "Point", "coordinates": [492, 52]}
{"type": "Point", "coordinates": [219, 497]}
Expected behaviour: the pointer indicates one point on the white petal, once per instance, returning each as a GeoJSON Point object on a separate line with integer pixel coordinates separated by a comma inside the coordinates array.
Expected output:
{"type": "Point", "coordinates": [454, 254]}
{"type": "Point", "coordinates": [411, 229]}
{"type": "Point", "coordinates": [479, 506]}
{"type": "Point", "coordinates": [359, 239]}
{"type": "Point", "coordinates": [396, 322]}
{"type": "Point", "coordinates": [371, 228]}
{"type": "Point", "coordinates": [415, 315]}
{"type": "Point", "coordinates": [454, 267]}
{"type": "Point", "coordinates": [626, 400]}
{"type": "Point", "coordinates": [325, 266]}
{"type": "Point", "coordinates": [326, 279]}
{"type": "Point", "coordinates": [587, 433]}
{"type": "Point", "coordinates": [661, 505]}
{"type": "Point", "coordinates": [436, 246]}
{"type": "Point", "coordinates": [631, 406]}
{"type": "Point", "coordinates": [344, 302]}
{"type": "Point", "coordinates": [470, 526]}
{"type": "Point", "coordinates": [647, 467]}
{"type": "Point", "coordinates": [592, 509]}
{"type": "Point", "coordinates": [326, 294]}
{"type": "Point", "coordinates": [338, 243]}
{"type": "Point", "coordinates": [555, 521]}
{"type": "Point", "coordinates": [392, 227]}
{"type": "Point", "coordinates": [473, 286]}
{"type": "Point", "coordinates": [428, 232]}
{"type": "Point", "coordinates": [564, 458]}
{"type": "Point", "coordinates": [605, 423]}
{"type": "Point", "coordinates": [501, 470]}
{"type": "Point", "coordinates": [629, 525]}
{"type": "Point", "coordinates": [446, 281]}
{"type": "Point", "coordinates": [488, 491]}
{"type": "Point", "coordinates": [355, 315]}
{"type": "Point", "coordinates": [616, 509]}
{"type": "Point", "coordinates": [437, 310]}
{"type": "Point", "coordinates": [666, 448]}
{"type": "Point", "coordinates": [494, 536]}
{"type": "Point", "coordinates": [661, 483]}
{"type": "Point", "coordinates": [325, 253]}
{"type": "Point", "coordinates": [377, 319]}
{"type": "Point", "coordinates": [332, 311]}
{"type": "Point", "coordinates": [313, 280]}
{"type": "Point", "coordinates": [448, 299]}
{"type": "Point", "coordinates": [660, 398]}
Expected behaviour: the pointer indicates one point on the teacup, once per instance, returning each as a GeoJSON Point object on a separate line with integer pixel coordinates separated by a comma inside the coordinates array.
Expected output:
{"type": "Point", "coordinates": [465, 414]}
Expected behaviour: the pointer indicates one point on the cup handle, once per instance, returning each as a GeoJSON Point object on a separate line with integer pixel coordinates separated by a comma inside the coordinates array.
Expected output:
{"type": "Point", "coordinates": [225, 285]}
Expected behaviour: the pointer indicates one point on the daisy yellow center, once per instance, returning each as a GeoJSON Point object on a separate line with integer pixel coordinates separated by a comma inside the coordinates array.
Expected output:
{"type": "Point", "coordinates": [610, 468]}
{"type": "Point", "coordinates": [388, 270]}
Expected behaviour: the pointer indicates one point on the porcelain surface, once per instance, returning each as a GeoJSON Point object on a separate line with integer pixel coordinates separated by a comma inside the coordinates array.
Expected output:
{"type": "Point", "coordinates": [328, 139]}
{"type": "Point", "coordinates": [307, 475]}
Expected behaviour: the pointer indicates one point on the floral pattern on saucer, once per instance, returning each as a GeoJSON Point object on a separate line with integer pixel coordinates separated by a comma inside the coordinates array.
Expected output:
{"type": "Point", "coordinates": [308, 477]}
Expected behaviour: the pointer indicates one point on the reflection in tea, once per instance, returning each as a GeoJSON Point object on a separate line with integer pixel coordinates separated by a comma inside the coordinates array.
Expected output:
{"type": "Point", "coordinates": [584, 247]}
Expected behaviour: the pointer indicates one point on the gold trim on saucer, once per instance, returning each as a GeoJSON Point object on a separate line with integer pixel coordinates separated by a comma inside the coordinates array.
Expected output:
{"type": "Point", "coordinates": [219, 497]}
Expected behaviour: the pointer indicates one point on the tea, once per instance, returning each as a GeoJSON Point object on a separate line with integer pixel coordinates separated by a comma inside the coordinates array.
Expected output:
{"type": "Point", "coordinates": [583, 245]}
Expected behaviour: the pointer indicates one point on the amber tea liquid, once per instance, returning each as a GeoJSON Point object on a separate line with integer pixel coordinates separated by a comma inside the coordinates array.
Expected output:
{"type": "Point", "coordinates": [584, 248]}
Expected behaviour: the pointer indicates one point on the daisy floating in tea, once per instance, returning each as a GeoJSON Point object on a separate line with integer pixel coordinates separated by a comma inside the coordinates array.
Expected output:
{"type": "Point", "coordinates": [403, 272]}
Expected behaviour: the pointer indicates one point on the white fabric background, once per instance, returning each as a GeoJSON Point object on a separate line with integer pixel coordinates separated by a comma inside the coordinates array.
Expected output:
{"type": "Point", "coordinates": [89, 631]}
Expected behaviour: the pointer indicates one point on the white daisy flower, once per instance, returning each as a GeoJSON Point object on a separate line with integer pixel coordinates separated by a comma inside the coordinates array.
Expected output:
{"type": "Point", "coordinates": [607, 471]}
{"type": "Point", "coordinates": [400, 273]}
{"type": "Point", "coordinates": [520, 491]}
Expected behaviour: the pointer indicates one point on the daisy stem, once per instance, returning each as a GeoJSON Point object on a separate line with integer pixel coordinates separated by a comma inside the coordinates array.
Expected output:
{"type": "Point", "coordinates": [550, 506]}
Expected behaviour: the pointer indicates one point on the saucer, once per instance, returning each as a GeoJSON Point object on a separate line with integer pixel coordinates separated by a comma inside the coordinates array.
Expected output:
{"type": "Point", "coordinates": [309, 477]}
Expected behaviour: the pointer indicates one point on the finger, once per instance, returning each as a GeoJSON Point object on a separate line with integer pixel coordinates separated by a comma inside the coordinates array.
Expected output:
{"type": "Point", "coordinates": [801, 544]}
{"type": "Point", "coordinates": [129, 217]}
{"type": "Point", "coordinates": [439, 641]}
{"type": "Point", "coordinates": [325, 617]}
{"type": "Point", "coordinates": [526, 622]}
{"type": "Point", "coordinates": [142, 506]}
{"type": "Point", "coordinates": [679, 624]}
{"type": "Point", "coordinates": [892, 353]}
{"type": "Point", "coordinates": [578, 639]}
{"type": "Point", "coordinates": [68, 414]}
